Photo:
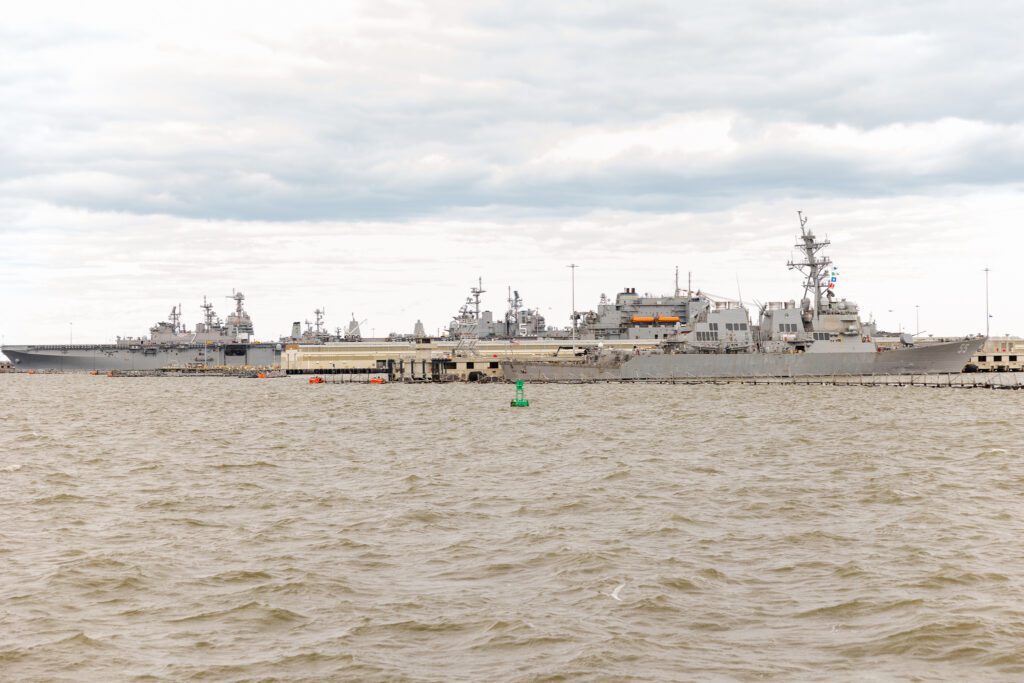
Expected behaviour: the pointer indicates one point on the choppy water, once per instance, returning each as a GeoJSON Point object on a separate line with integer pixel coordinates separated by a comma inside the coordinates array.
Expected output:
{"type": "Point", "coordinates": [226, 529]}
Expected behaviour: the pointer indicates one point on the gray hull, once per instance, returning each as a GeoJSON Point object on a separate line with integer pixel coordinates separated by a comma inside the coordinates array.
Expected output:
{"type": "Point", "coordinates": [103, 358]}
{"type": "Point", "coordinates": [934, 359]}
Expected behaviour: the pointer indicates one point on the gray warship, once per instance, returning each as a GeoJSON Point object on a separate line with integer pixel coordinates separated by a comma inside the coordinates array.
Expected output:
{"type": "Point", "coordinates": [213, 343]}
{"type": "Point", "coordinates": [518, 322]}
{"type": "Point", "coordinates": [706, 338]}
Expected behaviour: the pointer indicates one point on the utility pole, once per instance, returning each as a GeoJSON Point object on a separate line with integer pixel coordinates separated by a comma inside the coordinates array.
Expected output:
{"type": "Point", "coordinates": [988, 317]}
{"type": "Point", "coordinates": [572, 267]}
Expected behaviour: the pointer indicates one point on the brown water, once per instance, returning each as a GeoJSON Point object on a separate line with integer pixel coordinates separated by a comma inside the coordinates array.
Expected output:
{"type": "Point", "coordinates": [228, 529]}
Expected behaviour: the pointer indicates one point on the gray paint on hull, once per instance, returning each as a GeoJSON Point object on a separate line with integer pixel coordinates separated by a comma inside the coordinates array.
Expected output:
{"type": "Point", "coordinates": [103, 358]}
{"type": "Point", "coordinates": [934, 359]}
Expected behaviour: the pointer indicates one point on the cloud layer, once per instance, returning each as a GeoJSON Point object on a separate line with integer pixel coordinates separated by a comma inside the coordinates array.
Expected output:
{"type": "Point", "coordinates": [355, 152]}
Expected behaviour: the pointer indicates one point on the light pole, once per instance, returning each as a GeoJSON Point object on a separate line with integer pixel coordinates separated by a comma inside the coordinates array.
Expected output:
{"type": "Point", "coordinates": [71, 334]}
{"type": "Point", "coordinates": [917, 320]}
{"type": "Point", "coordinates": [987, 315]}
{"type": "Point", "coordinates": [572, 267]}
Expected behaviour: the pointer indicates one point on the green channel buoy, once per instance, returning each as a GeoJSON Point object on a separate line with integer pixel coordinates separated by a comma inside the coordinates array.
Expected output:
{"type": "Point", "coordinates": [519, 401]}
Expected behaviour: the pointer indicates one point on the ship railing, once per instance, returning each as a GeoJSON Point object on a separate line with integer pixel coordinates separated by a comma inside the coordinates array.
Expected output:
{"type": "Point", "coordinates": [70, 347]}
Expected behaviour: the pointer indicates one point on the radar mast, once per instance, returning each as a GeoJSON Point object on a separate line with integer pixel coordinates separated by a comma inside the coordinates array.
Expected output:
{"type": "Point", "coordinates": [175, 318]}
{"type": "Point", "coordinates": [208, 314]}
{"type": "Point", "coordinates": [814, 266]}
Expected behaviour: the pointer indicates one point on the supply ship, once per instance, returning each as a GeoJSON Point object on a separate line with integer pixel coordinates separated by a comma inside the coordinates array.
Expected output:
{"type": "Point", "coordinates": [821, 336]}
{"type": "Point", "coordinates": [213, 343]}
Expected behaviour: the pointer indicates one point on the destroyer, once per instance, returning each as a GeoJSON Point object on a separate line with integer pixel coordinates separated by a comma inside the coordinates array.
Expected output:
{"type": "Point", "coordinates": [822, 336]}
{"type": "Point", "coordinates": [213, 343]}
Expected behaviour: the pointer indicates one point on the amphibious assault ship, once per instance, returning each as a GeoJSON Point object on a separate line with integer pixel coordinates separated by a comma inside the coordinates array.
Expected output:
{"type": "Point", "coordinates": [821, 336]}
{"type": "Point", "coordinates": [213, 343]}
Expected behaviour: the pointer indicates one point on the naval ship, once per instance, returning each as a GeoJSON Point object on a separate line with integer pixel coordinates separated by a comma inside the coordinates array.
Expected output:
{"type": "Point", "coordinates": [213, 343]}
{"type": "Point", "coordinates": [716, 338]}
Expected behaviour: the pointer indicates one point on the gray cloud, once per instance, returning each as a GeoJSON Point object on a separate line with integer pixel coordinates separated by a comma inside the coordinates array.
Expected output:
{"type": "Point", "coordinates": [402, 111]}
{"type": "Point", "coordinates": [349, 153]}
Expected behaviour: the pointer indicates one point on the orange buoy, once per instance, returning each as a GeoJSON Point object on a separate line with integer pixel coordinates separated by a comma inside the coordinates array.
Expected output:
{"type": "Point", "coordinates": [376, 380]}
{"type": "Point", "coordinates": [316, 380]}
{"type": "Point", "coordinates": [261, 375]}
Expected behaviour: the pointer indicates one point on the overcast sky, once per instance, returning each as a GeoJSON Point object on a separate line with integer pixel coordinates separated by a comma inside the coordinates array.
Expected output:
{"type": "Point", "coordinates": [376, 158]}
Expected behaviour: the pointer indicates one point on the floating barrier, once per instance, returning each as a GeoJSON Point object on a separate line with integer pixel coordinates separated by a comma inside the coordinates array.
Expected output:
{"type": "Point", "coordinates": [316, 380]}
{"type": "Point", "coordinates": [951, 381]}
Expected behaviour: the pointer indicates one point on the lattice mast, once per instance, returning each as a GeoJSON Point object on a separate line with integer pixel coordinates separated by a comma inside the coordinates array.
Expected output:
{"type": "Point", "coordinates": [815, 267]}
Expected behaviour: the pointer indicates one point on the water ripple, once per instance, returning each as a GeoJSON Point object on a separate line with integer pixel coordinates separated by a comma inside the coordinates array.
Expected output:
{"type": "Point", "coordinates": [222, 529]}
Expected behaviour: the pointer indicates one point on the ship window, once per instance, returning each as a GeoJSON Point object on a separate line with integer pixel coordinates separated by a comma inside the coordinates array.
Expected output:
{"type": "Point", "coordinates": [997, 358]}
{"type": "Point", "coordinates": [743, 326]}
{"type": "Point", "coordinates": [982, 359]}
{"type": "Point", "coordinates": [469, 366]}
{"type": "Point", "coordinates": [493, 365]}
{"type": "Point", "coordinates": [1013, 359]}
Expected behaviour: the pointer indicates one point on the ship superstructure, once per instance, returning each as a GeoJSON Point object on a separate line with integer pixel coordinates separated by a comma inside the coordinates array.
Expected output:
{"type": "Point", "coordinates": [473, 323]}
{"type": "Point", "coordinates": [646, 316]}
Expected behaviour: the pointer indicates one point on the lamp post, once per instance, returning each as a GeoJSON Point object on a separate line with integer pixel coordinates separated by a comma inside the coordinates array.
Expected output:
{"type": "Point", "coordinates": [572, 267]}
{"type": "Point", "coordinates": [71, 334]}
{"type": "Point", "coordinates": [988, 316]}
{"type": "Point", "coordinates": [917, 320]}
